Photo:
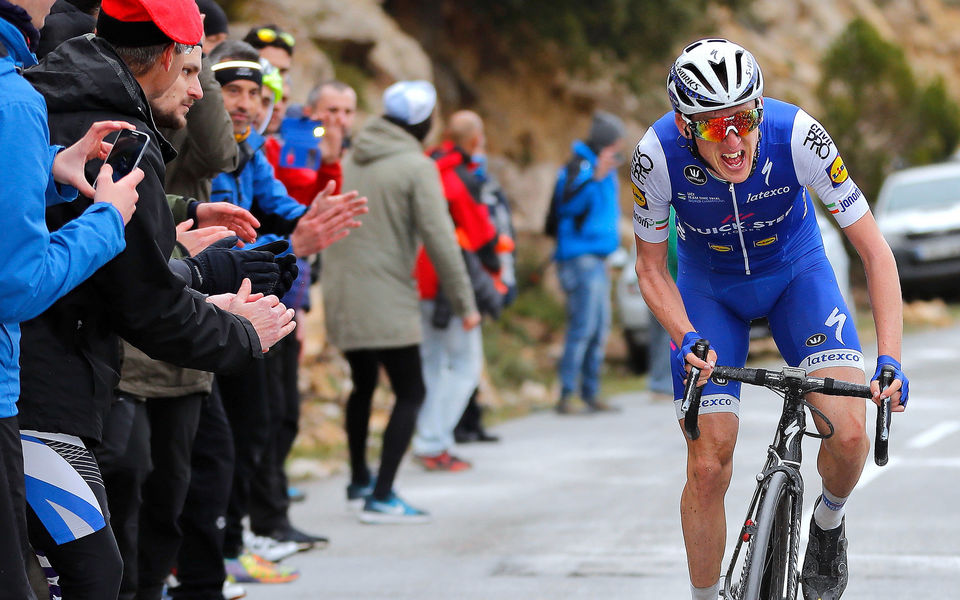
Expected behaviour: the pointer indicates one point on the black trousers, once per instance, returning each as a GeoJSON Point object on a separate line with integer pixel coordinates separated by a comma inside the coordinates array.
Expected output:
{"type": "Point", "coordinates": [406, 378]}
{"type": "Point", "coordinates": [173, 427]}
{"type": "Point", "coordinates": [90, 568]}
{"type": "Point", "coordinates": [14, 545]}
{"type": "Point", "coordinates": [245, 401]}
{"type": "Point", "coordinates": [202, 522]}
{"type": "Point", "coordinates": [269, 501]}
{"type": "Point", "coordinates": [124, 459]}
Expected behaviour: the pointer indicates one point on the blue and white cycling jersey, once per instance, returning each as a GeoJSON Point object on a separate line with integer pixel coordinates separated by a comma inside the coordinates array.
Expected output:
{"type": "Point", "coordinates": [753, 249]}
{"type": "Point", "coordinates": [750, 227]}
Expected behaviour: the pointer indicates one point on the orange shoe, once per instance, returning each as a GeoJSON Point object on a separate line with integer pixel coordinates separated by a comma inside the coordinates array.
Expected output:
{"type": "Point", "coordinates": [442, 462]}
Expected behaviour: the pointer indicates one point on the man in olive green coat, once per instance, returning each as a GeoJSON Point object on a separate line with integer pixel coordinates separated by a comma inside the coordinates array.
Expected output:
{"type": "Point", "coordinates": [370, 299]}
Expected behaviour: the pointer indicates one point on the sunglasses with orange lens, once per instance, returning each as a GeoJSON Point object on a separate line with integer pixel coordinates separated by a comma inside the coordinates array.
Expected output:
{"type": "Point", "coordinates": [714, 130]}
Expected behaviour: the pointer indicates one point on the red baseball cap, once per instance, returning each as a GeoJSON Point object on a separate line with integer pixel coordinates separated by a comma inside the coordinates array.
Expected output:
{"type": "Point", "coordinates": [177, 20]}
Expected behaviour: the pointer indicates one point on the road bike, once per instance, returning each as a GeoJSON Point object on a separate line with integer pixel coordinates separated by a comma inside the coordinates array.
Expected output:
{"type": "Point", "coordinates": [764, 565]}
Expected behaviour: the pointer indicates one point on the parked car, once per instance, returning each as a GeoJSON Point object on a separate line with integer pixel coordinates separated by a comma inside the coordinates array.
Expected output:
{"type": "Point", "coordinates": [636, 318]}
{"type": "Point", "coordinates": [918, 212]}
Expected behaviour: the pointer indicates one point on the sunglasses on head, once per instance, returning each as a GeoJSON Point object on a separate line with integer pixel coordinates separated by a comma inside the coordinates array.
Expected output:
{"type": "Point", "coordinates": [268, 35]}
{"type": "Point", "coordinates": [716, 129]}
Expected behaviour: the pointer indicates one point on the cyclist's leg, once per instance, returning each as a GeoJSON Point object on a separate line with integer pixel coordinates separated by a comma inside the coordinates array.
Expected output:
{"type": "Point", "coordinates": [710, 457]}
{"type": "Point", "coordinates": [815, 330]}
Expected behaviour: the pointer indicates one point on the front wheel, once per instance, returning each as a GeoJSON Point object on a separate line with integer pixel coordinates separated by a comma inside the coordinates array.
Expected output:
{"type": "Point", "coordinates": [769, 568]}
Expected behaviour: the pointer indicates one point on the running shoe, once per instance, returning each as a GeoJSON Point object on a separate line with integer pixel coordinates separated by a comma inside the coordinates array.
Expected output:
{"type": "Point", "coordinates": [357, 494]}
{"type": "Point", "coordinates": [250, 568]}
{"type": "Point", "coordinates": [824, 574]}
{"type": "Point", "coordinates": [269, 548]}
{"type": "Point", "coordinates": [442, 462]}
{"type": "Point", "coordinates": [233, 591]}
{"type": "Point", "coordinates": [303, 540]}
{"type": "Point", "coordinates": [391, 510]}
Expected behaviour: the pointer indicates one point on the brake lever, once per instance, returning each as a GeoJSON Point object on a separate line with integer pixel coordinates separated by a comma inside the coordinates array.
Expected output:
{"type": "Point", "coordinates": [884, 416]}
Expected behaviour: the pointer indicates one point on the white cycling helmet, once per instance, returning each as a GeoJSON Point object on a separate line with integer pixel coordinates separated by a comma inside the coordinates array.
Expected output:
{"type": "Point", "coordinates": [712, 74]}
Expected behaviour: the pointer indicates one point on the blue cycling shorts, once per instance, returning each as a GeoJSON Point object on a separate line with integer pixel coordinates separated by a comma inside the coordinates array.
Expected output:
{"type": "Point", "coordinates": [809, 319]}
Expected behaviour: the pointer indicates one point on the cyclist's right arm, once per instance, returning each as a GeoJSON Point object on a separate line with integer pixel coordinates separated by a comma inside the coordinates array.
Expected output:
{"type": "Point", "coordinates": [651, 219]}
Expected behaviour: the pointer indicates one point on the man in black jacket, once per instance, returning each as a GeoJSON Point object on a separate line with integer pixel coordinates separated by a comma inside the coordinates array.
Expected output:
{"type": "Point", "coordinates": [70, 353]}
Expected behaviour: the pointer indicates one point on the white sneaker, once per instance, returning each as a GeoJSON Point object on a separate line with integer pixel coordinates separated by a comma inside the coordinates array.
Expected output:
{"type": "Point", "coordinates": [233, 591]}
{"type": "Point", "coordinates": [269, 548]}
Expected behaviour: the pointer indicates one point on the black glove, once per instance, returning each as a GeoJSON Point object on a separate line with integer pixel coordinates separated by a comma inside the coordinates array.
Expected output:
{"type": "Point", "coordinates": [287, 265]}
{"type": "Point", "coordinates": [221, 268]}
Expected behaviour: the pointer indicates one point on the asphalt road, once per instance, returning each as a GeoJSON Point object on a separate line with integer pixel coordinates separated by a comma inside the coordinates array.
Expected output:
{"type": "Point", "coordinates": [587, 507]}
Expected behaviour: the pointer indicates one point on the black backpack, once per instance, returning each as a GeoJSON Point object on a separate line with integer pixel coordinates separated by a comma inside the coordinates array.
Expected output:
{"type": "Point", "coordinates": [562, 196]}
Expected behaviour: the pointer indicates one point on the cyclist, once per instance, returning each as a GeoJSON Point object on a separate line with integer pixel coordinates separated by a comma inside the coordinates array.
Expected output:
{"type": "Point", "coordinates": [735, 166]}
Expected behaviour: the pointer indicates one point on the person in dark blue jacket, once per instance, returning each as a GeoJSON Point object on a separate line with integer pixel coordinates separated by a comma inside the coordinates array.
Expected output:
{"type": "Point", "coordinates": [586, 234]}
{"type": "Point", "coordinates": [40, 267]}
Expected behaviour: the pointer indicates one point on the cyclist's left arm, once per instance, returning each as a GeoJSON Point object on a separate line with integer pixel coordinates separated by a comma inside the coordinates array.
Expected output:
{"type": "Point", "coordinates": [883, 286]}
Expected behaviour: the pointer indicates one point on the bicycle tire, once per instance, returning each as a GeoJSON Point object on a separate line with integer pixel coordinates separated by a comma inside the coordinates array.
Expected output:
{"type": "Point", "coordinates": [766, 568]}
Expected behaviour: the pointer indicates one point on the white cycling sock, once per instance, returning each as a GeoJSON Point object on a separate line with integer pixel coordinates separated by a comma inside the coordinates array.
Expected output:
{"type": "Point", "coordinates": [829, 511]}
{"type": "Point", "coordinates": [707, 593]}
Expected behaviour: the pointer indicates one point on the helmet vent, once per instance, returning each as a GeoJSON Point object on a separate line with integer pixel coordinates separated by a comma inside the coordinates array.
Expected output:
{"type": "Point", "coordinates": [720, 70]}
{"type": "Point", "coordinates": [739, 69]}
{"type": "Point", "coordinates": [692, 68]}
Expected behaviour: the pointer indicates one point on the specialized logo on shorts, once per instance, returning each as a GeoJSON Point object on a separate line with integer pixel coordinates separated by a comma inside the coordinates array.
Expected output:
{"type": "Point", "coordinates": [639, 198]}
{"type": "Point", "coordinates": [815, 340]}
{"type": "Point", "coordinates": [765, 242]}
{"type": "Point", "coordinates": [818, 140]}
{"type": "Point", "coordinates": [837, 172]}
{"type": "Point", "coordinates": [695, 175]}
{"type": "Point", "coordinates": [642, 165]}
{"type": "Point", "coordinates": [837, 318]}
{"type": "Point", "coordinates": [721, 248]}
{"type": "Point", "coordinates": [844, 204]}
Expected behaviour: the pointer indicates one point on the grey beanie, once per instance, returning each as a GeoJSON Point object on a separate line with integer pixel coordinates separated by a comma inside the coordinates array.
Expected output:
{"type": "Point", "coordinates": [605, 130]}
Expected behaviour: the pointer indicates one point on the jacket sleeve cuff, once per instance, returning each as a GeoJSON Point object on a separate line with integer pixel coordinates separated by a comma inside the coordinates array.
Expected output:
{"type": "Point", "coordinates": [255, 348]}
{"type": "Point", "coordinates": [58, 193]}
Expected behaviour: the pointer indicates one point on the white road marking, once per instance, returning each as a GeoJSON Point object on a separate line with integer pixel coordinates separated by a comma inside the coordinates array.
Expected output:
{"type": "Point", "coordinates": [934, 434]}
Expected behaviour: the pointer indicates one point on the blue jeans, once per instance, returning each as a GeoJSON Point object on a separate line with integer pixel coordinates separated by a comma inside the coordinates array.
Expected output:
{"type": "Point", "coordinates": [452, 362]}
{"type": "Point", "coordinates": [587, 285]}
{"type": "Point", "coordinates": [659, 377]}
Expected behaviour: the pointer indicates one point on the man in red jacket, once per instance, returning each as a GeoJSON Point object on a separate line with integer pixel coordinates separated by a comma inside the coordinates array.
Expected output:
{"type": "Point", "coordinates": [452, 356]}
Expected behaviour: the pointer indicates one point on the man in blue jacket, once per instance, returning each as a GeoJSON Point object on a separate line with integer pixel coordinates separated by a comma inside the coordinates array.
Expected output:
{"type": "Point", "coordinates": [587, 213]}
{"type": "Point", "coordinates": [40, 267]}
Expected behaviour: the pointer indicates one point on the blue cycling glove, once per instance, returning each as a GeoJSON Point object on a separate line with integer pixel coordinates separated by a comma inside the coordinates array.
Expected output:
{"type": "Point", "coordinates": [686, 347]}
{"type": "Point", "coordinates": [884, 360]}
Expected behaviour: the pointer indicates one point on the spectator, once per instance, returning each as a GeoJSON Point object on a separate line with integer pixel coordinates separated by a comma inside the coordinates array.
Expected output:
{"type": "Point", "coordinates": [452, 356]}
{"type": "Point", "coordinates": [374, 319]}
{"type": "Point", "coordinates": [70, 357]}
{"type": "Point", "coordinates": [68, 18]}
{"type": "Point", "coordinates": [215, 25]}
{"type": "Point", "coordinates": [40, 267]}
{"type": "Point", "coordinates": [273, 44]}
{"type": "Point", "coordinates": [251, 399]}
{"type": "Point", "coordinates": [587, 234]}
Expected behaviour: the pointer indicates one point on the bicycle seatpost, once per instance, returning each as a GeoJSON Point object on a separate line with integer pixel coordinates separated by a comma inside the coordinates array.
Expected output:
{"type": "Point", "coordinates": [691, 393]}
{"type": "Point", "coordinates": [884, 415]}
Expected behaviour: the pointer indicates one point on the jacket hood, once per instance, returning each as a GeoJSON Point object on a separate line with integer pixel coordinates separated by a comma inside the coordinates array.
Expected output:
{"type": "Point", "coordinates": [380, 138]}
{"type": "Point", "coordinates": [86, 74]}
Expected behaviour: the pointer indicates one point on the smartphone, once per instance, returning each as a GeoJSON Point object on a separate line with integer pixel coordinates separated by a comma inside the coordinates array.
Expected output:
{"type": "Point", "coordinates": [301, 143]}
{"type": "Point", "coordinates": [127, 151]}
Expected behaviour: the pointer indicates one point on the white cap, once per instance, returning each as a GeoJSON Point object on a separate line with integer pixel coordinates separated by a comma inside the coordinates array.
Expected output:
{"type": "Point", "coordinates": [410, 101]}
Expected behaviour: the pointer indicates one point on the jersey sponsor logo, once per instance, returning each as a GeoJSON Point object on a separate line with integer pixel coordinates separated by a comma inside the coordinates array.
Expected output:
{"type": "Point", "coordinates": [649, 223]}
{"type": "Point", "coordinates": [721, 248]}
{"type": "Point", "coordinates": [642, 166]}
{"type": "Point", "coordinates": [639, 198]}
{"type": "Point", "coordinates": [681, 232]}
{"type": "Point", "coordinates": [837, 318]}
{"type": "Point", "coordinates": [843, 205]}
{"type": "Point", "coordinates": [818, 141]}
{"type": "Point", "coordinates": [815, 340]}
{"type": "Point", "coordinates": [697, 198]}
{"type": "Point", "coordinates": [765, 171]}
{"type": "Point", "coordinates": [768, 194]}
{"type": "Point", "coordinates": [733, 227]}
{"type": "Point", "coordinates": [695, 175]}
{"type": "Point", "coordinates": [765, 242]}
{"type": "Point", "coordinates": [837, 172]}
